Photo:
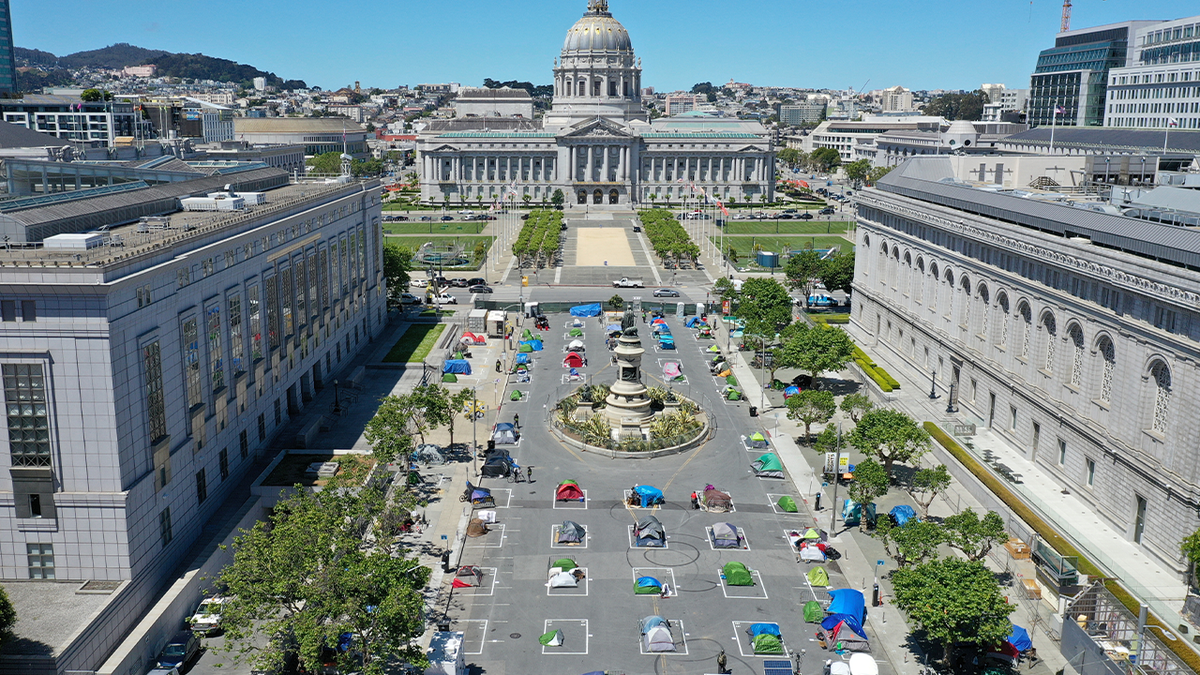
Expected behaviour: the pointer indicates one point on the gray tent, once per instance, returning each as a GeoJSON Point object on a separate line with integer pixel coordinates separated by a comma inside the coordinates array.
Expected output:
{"type": "Point", "coordinates": [650, 533]}
{"type": "Point", "coordinates": [725, 535]}
{"type": "Point", "coordinates": [570, 532]}
{"type": "Point", "coordinates": [428, 453]}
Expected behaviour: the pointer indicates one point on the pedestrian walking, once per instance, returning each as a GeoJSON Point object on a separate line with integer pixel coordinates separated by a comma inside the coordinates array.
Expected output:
{"type": "Point", "coordinates": [529, 473]}
{"type": "Point", "coordinates": [517, 421]}
{"type": "Point", "coordinates": [721, 661]}
{"type": "Point", "coordinates": [695, 501]}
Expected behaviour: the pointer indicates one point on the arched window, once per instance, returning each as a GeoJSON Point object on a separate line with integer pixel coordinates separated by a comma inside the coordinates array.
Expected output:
{"type": "Point", "coordinates": [919, 281]}
{"type": "Point", "coordinates": [1005, 319]}
{"type": "Point", "coordinates": [966, 303]}
{"type": "Point", "coordinates": [1162, 395]}
{"type": "Point", "coordinates": [1026, 319]}
{"type": "Point", "coordinates": [1109, 356]}
{"type": "Point", "coordinates": [1075, 333]}
{"type": "Point", "coordinates": [933, 292]}
{"type": "Point", "coordinates": [985, 302]}
{"type": "Point", "coordinates": [1051, 339]}
{"type": "Point", "coordinates": [895, 266]}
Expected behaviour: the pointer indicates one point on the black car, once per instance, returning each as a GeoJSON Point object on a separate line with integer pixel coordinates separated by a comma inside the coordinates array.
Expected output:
{"type": "Point", "coordinates": [459, 283]}
{"type": "Point", "coordinates": [637, 228]}
{"type": "Point", "coordinates": [805, 216]}
{"type": "Point", "coordinates": [426, 219]}
{"type": "Point", "coordinates": [445, 218]}
{"type": "Point", "coordinates": [827, 211]}
{"type": "Point", "coordinates": [480, 288]}
{"type": "Point", "coordinates": [179, 650]}
{"type": "Point", "coordinates": [477, 281]}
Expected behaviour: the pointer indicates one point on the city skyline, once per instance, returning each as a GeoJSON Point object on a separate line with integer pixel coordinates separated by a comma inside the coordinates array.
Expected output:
{"type": "Point", "coordinates": [670, 38]}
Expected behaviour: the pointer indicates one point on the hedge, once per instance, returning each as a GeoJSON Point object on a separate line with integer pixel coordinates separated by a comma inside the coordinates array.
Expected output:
{"type": "Point", "coordinates": [877, 374]}
{"type": "Point", "coordinates": [1058, 543]}
{"type": "Point", "coordinates": [827, 319]}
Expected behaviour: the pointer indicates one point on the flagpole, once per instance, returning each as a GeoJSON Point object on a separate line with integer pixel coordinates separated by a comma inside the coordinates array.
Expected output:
{"type": "Point", "coordinates": [1166, 135]}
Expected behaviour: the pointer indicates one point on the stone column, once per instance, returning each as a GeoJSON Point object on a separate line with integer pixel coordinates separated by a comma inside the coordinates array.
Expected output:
{"type": "Point", "coordinates": [591, 163]}
{"type": "Point", "coordinates": [605, 165]}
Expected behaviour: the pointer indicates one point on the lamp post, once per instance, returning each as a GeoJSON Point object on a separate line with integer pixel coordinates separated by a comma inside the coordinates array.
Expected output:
{"type": "Point", "coordinates": [933, 385]}
{"type": "Point", "coordinates": [950, 401]}
{"type": "Point", "coordinates": [474, 436]}
{"type": "Point", "coordinates": [337, 402]}
{"type": "Point", "coordinates": [837, 465]}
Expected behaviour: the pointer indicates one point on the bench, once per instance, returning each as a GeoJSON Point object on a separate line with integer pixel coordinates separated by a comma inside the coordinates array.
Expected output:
{"type": "Point", "coordinates": [305, 438]}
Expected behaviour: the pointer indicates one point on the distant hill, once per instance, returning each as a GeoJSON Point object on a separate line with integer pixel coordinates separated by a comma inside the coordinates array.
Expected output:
{"type": "Point", "coordinates": [192, 66]}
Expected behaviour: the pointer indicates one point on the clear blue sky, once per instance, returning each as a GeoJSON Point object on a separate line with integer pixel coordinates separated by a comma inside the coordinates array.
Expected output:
{"type": "Point", "coordinates": [837, 44]}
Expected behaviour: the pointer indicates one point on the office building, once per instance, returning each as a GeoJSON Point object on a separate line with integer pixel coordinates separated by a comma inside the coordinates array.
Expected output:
{"type": "Point", "coordinates": [678, 104]}
{"type": "Point", "coordinates": [802, 113]}
{"type": "Point", "coordinates": [317, 134]}
{"type": "Point", "coordinates": [75, 120]}
{"type": "Point", "coordinates": [1160, 88]}
{"type": "Point", "coordinates": [897, 99]}
{"type": "Point", "coordinates": [8, 59]}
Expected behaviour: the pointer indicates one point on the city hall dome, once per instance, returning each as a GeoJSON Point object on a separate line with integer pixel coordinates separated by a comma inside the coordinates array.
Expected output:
{"type": "Point", "coordinates": [597, 31]}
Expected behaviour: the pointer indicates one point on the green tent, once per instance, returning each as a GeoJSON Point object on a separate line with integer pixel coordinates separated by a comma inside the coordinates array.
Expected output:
{"type": "Point", "coordinates": [525, 349]}
{"type": "Point", "coordinates": [458, 355]}
{"type": "Point", "coordinates": [552, 639]}
{"type": "Point", "coordinates": [714, 348]}
{"type": "Point", "coordinates": [765, 643]}
{"type": "Point", "coordinates": [736, 574]}
{"type": "Point", "coordinates": [565, 564]}
{"type": "Point", "coordinates": [576, 332]}
{"type": "Point", "coordinates": [812, 534]}
{"type": "Point", "coordinates": [788, 504]}
{"type": "Point", "coordinates": [449, 377]}
{"type": "Point", "coordinates": [734, 395]}
{"type": "Point", "coordinates": [768, 464]}
{"type": "Point", "coordinates": [817, 576]}
{"type": "Point", "coordinates": [516, 396]}
{"type": "Point", "coordinates": [731, 381]}
{"type": "Point", "coordinates": [758, 436]}
{"type": "Point", "coordinates": [527, 335]}
{"type": "Point", "coordinates": [813, 613]}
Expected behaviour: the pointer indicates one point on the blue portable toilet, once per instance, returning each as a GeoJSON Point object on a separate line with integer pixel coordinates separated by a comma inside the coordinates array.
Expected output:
{"type": "Point", "coordinates": [768, 259]}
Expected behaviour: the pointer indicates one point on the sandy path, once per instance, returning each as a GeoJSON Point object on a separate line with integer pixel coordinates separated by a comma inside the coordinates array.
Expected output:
{"type": "Point", "coordinates": [595, 245]}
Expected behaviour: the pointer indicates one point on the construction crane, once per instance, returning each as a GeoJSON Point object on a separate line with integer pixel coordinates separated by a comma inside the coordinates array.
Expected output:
{"type": "Point", "coordinates": [1066, 17]}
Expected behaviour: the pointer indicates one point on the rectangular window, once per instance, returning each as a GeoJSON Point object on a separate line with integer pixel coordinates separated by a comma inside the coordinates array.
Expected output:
{"type": "Point", "coordinates": [28, 310]}
{"type": "Point", "coordinates": [278, 413]}
{"type": "Point", "coordinates": [262, 427]}
{"type": "Point", "coordinates": [1037, 436]}
{"type": "Point", "coordinates": [301, 287]}
{"type": "Point", "coordinates": [8, 310]}
{"type": "Point", "coordinates": [1091, 473]}
{"type": "Point", "coordinates": [164, 526]}
{"type": "Point", "coordinates": [345, 270]}
{"type": "Point", "coordinates": [156, 413]}
{"type": "Point", "coordinates": [191, 363]}
{"type": "Point", "coordinates": [143, 296]}
{"type": "Point", "coordinates": [255, 324]}
{"type": "Point", "coordinates": [216, 352]}
{"type": "Point", "coordinates": [285, 301]}
{"type": "Point", "coordinates": [1062, 452]}
{"type": "Point", "coordinates": [28, 416]}
{"type": "Point", "coordinates": [1139, 520]}
{"type": "Point", "coordinates": [313, 275]}
{"type": "Point", "coordinates": [273, 311]}
{"type": "Point", "coordinates": [323, 277]}
{"type": "Point", "coordinates": [244, 443]}
{"type": "Point", "coordinates": [337, 269]}
{"type": "Point", "coordinates": [201, 487]}
{"type": "Point", "coordinates": [41, 560]}
{"type": "Point", "coordinates": [237, 344]}
{"type": "Point", "coordinates": [1013, 423]}
{"type": "Point", "coordinates": [223, 459]}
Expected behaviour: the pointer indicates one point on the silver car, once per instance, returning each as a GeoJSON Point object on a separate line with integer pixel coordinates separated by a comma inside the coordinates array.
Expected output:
{"type": "Point", "coordinates": [666, 293]}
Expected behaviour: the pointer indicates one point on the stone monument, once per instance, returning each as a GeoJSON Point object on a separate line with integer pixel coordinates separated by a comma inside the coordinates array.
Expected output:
{"type": "Point", "coordinates": [628, 404]}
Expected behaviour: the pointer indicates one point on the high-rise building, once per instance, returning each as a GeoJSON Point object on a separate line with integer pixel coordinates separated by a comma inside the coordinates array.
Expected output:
{"type": "Point", "coordinates": [8, 59]}
{"type": "Point", "coordinates": [1160, 88]}
{"type": "Point", "coordinates": [802, 113]}
{"type": "Point", "coordinates": [1073, 74]}
{"type": "Point", "coordinates": [677, 104]}
{"type": "Point", "coordinates": [897, 99]}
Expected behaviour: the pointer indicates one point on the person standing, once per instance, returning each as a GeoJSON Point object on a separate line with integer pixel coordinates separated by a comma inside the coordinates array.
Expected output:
{"type": "Point", "coordinates": [517, 421]}
{"type": "Point", "coordinates": [721, 661]}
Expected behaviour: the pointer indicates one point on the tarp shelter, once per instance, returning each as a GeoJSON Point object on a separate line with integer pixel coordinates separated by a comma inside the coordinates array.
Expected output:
{"type": "Point", "coordinates": [481, 496]}
{"type": "Point", "coordinates": [767, 466]}
{"type": "Point", "coordinates": [505, 434]}
{"type": "Point", "coordinates": [564, 579]}
{"type": "Point", "coordinates": [737, 574]}
{"type": "Point", "coordinates": [649, 533]}
{"type": "Point", "coordinates": [568, 491]}
{"type": "Point", "coordinates": [612, 328]}
{"type": "Point", "coordinates": [863, 664]}
{"type": "Point", "coordinates": [695, 322]}
{"type": "Point", "coordinates": [839, 668]}
{"type": "Point", "coordinates": [523, 359]}
{"type": "Point", "coordinates": [1005, 652]}
{"type": "Point", "coordinates": [496, 467]}
{"type": "Point", "coordinates": [817, 576]}
{"type": "Point", "coordinates": [757, 440]}
{"type": "Point", "coordinates": [716, 501]}
{"type": "Point", "coordinates": [648, 495]}
{"type": "Point", "coordinates": [787, 504]}
{"type": "Point", "coordinates": [764, 629]}
{"type": "Point", "coordinates": [472, 339]}
{"type": "Point", "coordinates": [790, 391]}
{"type": "Point", "coordinates": [573, 360]}
{"type": "Point", "coordinates": [848, 601]}
{"type": "Point", "coordinates": [457, 367]}
{"type": "Point", "coordinates": [660, 327]}
{"type": "Point", "coordinates": [902, 514]}
{"type": "Point", "coordinates": [647, 586]}
{"type": "Point", "coordinates": [468, 576]}
{"type": "Point", "coordinates": [428, 453]}
{"type": "Point", "coordinates": [813, 612]}
{"type": "Point", "coordinates": [725, 535]}
{"type": "Point", "coordinates": [658, 320]}
{"type": "Point", "coordinates": [576, 332]}
{"type": "Point", "coordinates": [586, 310]}
{"type": "Point", "coordinates": [534, 345]}
{"type": "Point", "coordinates": [852, 512]}
{"type": "Point", "coordinates": [1019, 638]}
{"type": "Point", "coordinates": [671, 370]}
{"type": "Point", "coordinates": [666, 342]}
{"type": "Point", "coordinates": [812, 553]}
{"type": "Point", "coordinates": [575, 346]}
{"type": "Point", "coordinates": [552, 639]}
{"type": "Point", "coordinates": [476, 528]}
{"type": "Point", "coordinates": [524, 348]}
{"type": "Point", "coordinates": [570, 532]}
{"type": "Point", "coordinates": [526, 334]}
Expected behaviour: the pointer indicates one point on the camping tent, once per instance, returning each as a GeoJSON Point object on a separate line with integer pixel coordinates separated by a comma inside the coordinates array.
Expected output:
{"type": "Point", "coordinates": [458, 367]}
{"type": "Point", "coordinates": [671, 370]}
{"type": "Point", "coordinates": [767, 466]}
{"type": "Point", "coordinates": [564, 579]}
{"type": "Point", "coordinates": [552, 639]}
{"type": "Point", "coordinates": [573, 360]}
{"type": "Point", "coordinates": [565, 564]}
{"type": "Point", "coordinates": [648, 495]}
{"type": "Point", "coordinates": [647, 586]}
{"type": "Point", "coordinates": [472, 339]}
{"type": "Point", "coordinates": [732, 394]}
{"type": "Point", "coordinates": [714, 349]}
{"type": "Point", "coordinates": [661, 327]}
{"type": "Point", "coordinates": [845, 634]}
{"type": "Point", "coordinates": [764, 629]}
{"type": "Point", "coordinates": [813, 612]}
{"type": "Point", "coordinates": [612, 328]}
{"type": "Point", "coordinates": [575, 346]}
{"type": "Point", "coordinates": [527, 334]}
{"type": "Point", "coordinates": [737, 574]}
{"type": "Point", "coordinates": [787, 504]}
{"type": "Point", "coordinates": [716, 501]}
{"type": "Point", "coordinates": [649, 533]}
{"type": "Point", "coordinates": [849, 602]}
{"type": "Point", "coordinates": [1019, 637]}
{"type": "Point", "coordinates": [812, 553]}
{"type": "Point", "coordinates": [863, 664]}
{"type": "Point", "coordinates": [524, 348]}
{"type": "Point", "coordinates": [658, 639]}
{"type": "Point", "coordinates": [576, 332]}
{"type": "Point", "coordinates": [695, 322]}
{"type": "Point", "coordinates": [852, 512]}
{"type": "Point", "coordinates": [505, 434]}
{"type": "Point", "coordinates": [817, 576]}
{"type": "Point", "coordinates": [790, 391]}
{"type": "Point", "coordinates": [570, 532]}
{"type": "Point", "coordinates": [813, 534]}
{"type": "Point", "coordinates": [495, 467]}
{"type": "Point", "coordinates": [757, 440]}
{"type": "Point", "coordinates": [568, 491]}
{"type": "Point", "coordinates": [428, 453]}
{"type": "Point", "coordinates": [468, 576]}
{"type": "Point", "coordinates": [767, 644]}
{"type": "Point", "coordinates": [902, 514]}
{"type": "Point", "coordinates": [658, 320]}
{"type": "Point", "coordinates": [666, 342]}
{"type": "Point", "coordinates": [586, 310]}
{"type": "Point", "coordinates": [523, 359]}
{"type": "Point", "coordinates": [481, 496]}
{"type": "Point", "coordinates": [476, 528]}
{"type": "Point", "coordinates": [534, 345]}
{"type": "Point", "coordinates": [725, 535]}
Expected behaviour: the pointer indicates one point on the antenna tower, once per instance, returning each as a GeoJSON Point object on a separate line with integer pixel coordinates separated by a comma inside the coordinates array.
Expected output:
{"type": "Point", "coordinates": [1066, 17]}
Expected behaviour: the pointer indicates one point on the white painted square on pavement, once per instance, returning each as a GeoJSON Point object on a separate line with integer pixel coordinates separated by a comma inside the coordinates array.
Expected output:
{"type": "Point", "coordinates": [746, 647]}
{"type": "Point", "coordinates": [575, 636]}
{"type": "Point", "coordinates": [633, 541]}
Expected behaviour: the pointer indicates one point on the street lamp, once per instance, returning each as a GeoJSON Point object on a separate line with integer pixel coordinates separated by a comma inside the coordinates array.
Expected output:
{"type": "Point", "coordinates": [337, 402]}
{"type": "Point", "coordinates": [933, 385]}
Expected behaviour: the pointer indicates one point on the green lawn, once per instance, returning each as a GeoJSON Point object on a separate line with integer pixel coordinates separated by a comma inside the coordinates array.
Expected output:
{"type": "Point", "coordinates": [745, 244]}
{"type": "Point", "coordinates": [436, 227]}
{"type": "Point", "coordinates": [415, 241]}
{"type": "Point", "coordinates": [784, 227]}
{"type": "Point", "coordinates": [415, 344]}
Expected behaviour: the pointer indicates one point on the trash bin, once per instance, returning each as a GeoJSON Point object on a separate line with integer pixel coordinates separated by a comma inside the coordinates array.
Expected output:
{"type": "Point", "coordinates": [754, 411]}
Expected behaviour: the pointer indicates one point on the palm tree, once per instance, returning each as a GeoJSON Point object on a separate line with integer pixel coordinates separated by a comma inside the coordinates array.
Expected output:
{"type": "Point", "coordinates": [653, 198]}
{"type": "Point", "coordinates": [526, 199]}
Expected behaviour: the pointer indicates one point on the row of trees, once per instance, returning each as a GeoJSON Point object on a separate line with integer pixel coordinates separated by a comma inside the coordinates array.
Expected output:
{"type": "Point", "coordinates": [667, 237]}
{"type": "Point", "coordinates": [331, 163]}
{"type": "Point", "coordinates": [539, 241]}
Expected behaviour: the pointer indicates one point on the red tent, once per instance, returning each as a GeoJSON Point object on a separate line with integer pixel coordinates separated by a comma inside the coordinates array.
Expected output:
{"type": "Point", "coordinates": [573, 360]}
{"type": "Point", "coordinates": [472, 339]}
{"type": "Point", "coordinates": [568, 492]}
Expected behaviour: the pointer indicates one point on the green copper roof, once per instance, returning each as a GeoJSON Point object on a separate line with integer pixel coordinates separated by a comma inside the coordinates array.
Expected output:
{"type": "Point", "coordinates": [497, 134]}
{"type": "Point", "coordinates": [697, 134]}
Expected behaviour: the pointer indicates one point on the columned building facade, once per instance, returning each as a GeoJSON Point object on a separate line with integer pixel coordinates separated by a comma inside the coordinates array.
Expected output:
{"type": "Point", "coordinates": [596, 144]}
{"type": "Point", "coordinates": [1071, 334]}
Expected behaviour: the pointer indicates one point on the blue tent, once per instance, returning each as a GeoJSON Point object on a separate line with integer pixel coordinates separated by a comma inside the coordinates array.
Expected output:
{"type": "Point", "coordinates": [586, 310]}
{"type": "Point", "coordinates": [649, 495]}
{"type": "Point", "coordinates": [693, 320]}
{"type": "Point", "coordinates": [662, 328]}
{"type": "Point", "coordinates": [535, 345]}
{"type": "Point", "coordinates": [852, 511]}
{"type": "Point", "coordinates": [764, 629]}
{"type": "Point", "coordinates": [1019, 638]}
{"type": "Point", "coordinates": [902, 514]}
{"type": "Point", "coordinates": [458, 367]}
{"type": "Point", "coordinates": [666, 342]}
{"type": "Point", "coordinates": [830, 622]}
{"type": "Point", "coordinates": [648, 583]}
{"type": "Point", "coordinates": [848, 601]}
{"type": "Point", "coordinates": [791, 391]}
{"type": "Point", "coordinates": [652, 621]}
{"type": "Point", "coordinates": [522, 358]}
{"type": "Point", "coordinates": [612, 327]}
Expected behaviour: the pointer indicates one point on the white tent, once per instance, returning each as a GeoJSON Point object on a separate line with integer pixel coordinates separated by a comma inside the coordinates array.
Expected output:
{"type": "Point", "coordinates": [838, 668]}
{"type": "Point", "coordinates": [811, 554]}
{"type": "Point", "coordinates": [563, 580]}
{"type": "Point", "coordinates": [575, 346]}
{"type": "Point", "coordinates": [863, 664]}
{"type": "Point", "coordinates": [658, 639]}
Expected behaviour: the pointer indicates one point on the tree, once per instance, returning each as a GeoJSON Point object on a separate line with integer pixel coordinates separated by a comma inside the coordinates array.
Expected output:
{"type": "Point", "coordinates": [855, 405]}
{"type": "Point", "coordinates": [802, 269]}
{"type": "Point", "coordinates": [837, 272]}
{"type": "Point", "coordinates": [557, 199]}
{"type": "Point", "coordinates": [958, 106]}
{"type": "Point", "coordinates": [526, 199]}
{"type": "Point", "coordinates": [890, 436]}
{"type": "Point", "coordinates": [871, 482]}
{"type": "Point", "coordinates": [954, 601]}
{"type": "Point", "coordinates": [789, 156]}
{"type": "Point", "coordinates": [827, 440]}
{"type": "Point", "coordinates": [323, 565]}
{"type": "Point", "coordinates": [765, 306]}
{"type": "Point", "coordinates": [723, 288]}
{"type": "Point", "coordinates": [825, 159]}
{"type": "Point", "coordinates": [732, 254]}
{"type": "Point", "coordinates": [93, 95]}
{"type": "Point", "coordinates": [8, 616]}
{"type": "Point", "coordinates": [858, 171]}
{"type": "Point", "coordinates": [616, 302]}
{"type": "Point", "coordinates": [436, 410]}
{"type": "Point", "coordinates": [927, 484]}
{"type": "Point", "coordinates": [878, 172]}
{"type": "Point", "coordinates": [390, 432]}
{"type": "Point", "coordinates": [972, 535]}
{"type": "Point", "coordinates": [460, 401]}
{"type": "Point", "coordinates": [811, 407]}
{"type": "Point", "coordinates": [913, 544]}
{"type": "Point", "coordinates": [397, 263]}
{"type": "Point", "coordinates": [1190, 547]}
{"type": "Point", "coordinates": [480, 251]}
{"type": "Point", "coordinates": [817, 350]}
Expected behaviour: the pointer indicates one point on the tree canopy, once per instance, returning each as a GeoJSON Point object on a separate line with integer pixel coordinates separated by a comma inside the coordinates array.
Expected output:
{"type": "Point", "coordinates": [855, 405]}
{"type": "Point", "coordinates": [889, 436]}
{"type": "Point", "coordinates": [816, 350]}
{"type": "Point", "coordinates": [811, 406]}
{"type": "Point", "coordinates": [825, 159]}
{"type": "Point", "coordinates": [954, 601]}
{"type": "Point", "coordinates": [765, 306]}
{"type": "Point", "coordinates": [913, 544]}
{"type": "Point", "coordinates": [397, 263]}
{"type": "Point", "coordinates": [958, 106]}
{"type": "Point", "coordinates": [972, 535]}
{"type": "Point", "coordinates": [837, 271]}
{"type": "Point", "coordinates": [802, 270]}
{"type": "Point", "coordinates": [870, 483]}
{"type": "Point", "coordinates": [927, 484]}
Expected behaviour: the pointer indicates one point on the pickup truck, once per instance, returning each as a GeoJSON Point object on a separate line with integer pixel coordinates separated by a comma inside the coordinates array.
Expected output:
{"type": "Point", "coordinates": [626, 282]}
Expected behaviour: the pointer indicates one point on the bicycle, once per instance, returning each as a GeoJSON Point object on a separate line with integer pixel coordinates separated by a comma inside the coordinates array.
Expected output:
{"type": "Point", "coordinates": [514, 474]}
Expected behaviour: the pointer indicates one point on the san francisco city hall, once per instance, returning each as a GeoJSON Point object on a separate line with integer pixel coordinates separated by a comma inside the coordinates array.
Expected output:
{"type": "Point", "coordinates": [596, 144]}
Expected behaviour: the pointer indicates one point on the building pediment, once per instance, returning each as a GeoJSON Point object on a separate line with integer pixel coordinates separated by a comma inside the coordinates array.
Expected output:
{"type": "Point", "coordinates": [599, 128]}
{"type": "Point", "coordinates": [443, 148]}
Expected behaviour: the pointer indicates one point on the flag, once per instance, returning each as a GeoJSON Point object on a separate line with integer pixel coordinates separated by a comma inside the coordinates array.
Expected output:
{"type": "Point", "coordinates": [1172, 122]}
{"type": "Point", "coordinates": [1059, 110]}
{"type": "Point", "coordinates": [723, 209]}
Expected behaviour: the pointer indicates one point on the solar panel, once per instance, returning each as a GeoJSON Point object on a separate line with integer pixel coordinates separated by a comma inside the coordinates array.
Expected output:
{"type": "Point", "coordinates": [777, 668]}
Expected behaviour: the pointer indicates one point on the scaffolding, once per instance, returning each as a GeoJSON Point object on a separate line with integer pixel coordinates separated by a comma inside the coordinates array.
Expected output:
{"type": "Point", "coordinates": [1102, 637]}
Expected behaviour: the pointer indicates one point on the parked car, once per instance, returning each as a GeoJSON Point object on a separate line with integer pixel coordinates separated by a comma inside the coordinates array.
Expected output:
{"type": "Point", "coordinates": [827, 211]}
{"type": "Point", "coordinates": [409, 299]}
{"type": "Point", "coordinates": [805, 216]}
{"type": "Point", "coordinates": [446, 218]}
{"type": "Point", "coordinates": [821, 301]}
{"type": "Point", "coordinates": [426, 219]}
{"type": "Point", "coordinates": [207, 618]}
{"type": "Point", "coordinates": [179, 650]}
{"type": "Point", "coordinates": [419, 283]}
{"type": "Point", "coordinates": [459, 282]}
{"type": "Point", "coordinates": [480, 288]}
{"type": "Point", "coordinates": [477, 281]}
{"type": "Point", "coordinates": [402, 218]}
{"type": "Point", "coordinates": [465, 212]}
{"type": "Point", "coordinates": [665, 293]}
{"type": "Point", "coordinates": [164, 671]}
